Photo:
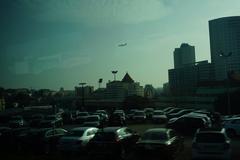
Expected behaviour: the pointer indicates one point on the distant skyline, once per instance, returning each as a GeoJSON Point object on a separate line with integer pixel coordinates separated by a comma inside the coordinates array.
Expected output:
{"type": "Point", "coordinates": [59, 43]}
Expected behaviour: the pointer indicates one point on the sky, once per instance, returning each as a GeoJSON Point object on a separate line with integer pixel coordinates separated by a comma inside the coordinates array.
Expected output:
{"type": "Point", "coordinates": [60, 43]}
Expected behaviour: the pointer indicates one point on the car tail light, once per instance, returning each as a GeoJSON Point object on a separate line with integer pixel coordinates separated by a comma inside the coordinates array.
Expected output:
{"type": "Point", "coordinates": [226, 146]}
{"type": "Point", "coordinates": [195, 146]}
{"type": "Point", "coordinates": [117, 140]}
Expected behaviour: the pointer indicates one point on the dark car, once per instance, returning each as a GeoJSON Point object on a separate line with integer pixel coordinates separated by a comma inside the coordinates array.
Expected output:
{"type": "Point", "coordinates": [51, 121]}
{"type": "Point", "coordinates": [159, 142]}
{"type": "Point", "coordinates": [5, 138]}
{"type": "Point", "coordinates": [16, 121]}
{"type": "Point", "coordinates": [117, 119]}
{"type": "Point", "coordinates": [180, 113]}
{"type": "Point", "coordinates": [43, 140]}
{"type": "Point", "coordinates": [81, 117]}
{"type": "Point", "coordinates": [187, 124]}
{"type": "Point", "coordinates": [35, 120]}
{"type": "Point", "coordinates": [115, 142]}
{"type": "Point", "coordinates": [92, 121]}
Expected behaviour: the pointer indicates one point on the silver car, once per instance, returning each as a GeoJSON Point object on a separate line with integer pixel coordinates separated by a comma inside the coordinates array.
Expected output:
{"type": "Point", "coordinates": [77, 139]}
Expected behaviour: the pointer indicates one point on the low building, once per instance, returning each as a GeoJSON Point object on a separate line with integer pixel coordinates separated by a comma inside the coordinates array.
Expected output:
{"type": "Point", "coordinates": [119, 90]}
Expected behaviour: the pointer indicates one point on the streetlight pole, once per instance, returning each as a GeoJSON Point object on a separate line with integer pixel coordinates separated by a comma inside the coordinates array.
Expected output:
{"type": "Point", "coordinates": [226, 56]}
{"type": "Point", "coordinates": [82, 84]}
{"type": "Point", "coordinates": [114, 74]}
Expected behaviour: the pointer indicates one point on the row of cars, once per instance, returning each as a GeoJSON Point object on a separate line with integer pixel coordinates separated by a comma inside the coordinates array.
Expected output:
{"type": "Point", "coordinates": [36, 121]}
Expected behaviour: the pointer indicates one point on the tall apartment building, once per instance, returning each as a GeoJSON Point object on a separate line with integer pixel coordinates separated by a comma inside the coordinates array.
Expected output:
{"type": "Point", "coordinates": [184, 55]}
{"type": "Point", "coordinates": [225, 45]}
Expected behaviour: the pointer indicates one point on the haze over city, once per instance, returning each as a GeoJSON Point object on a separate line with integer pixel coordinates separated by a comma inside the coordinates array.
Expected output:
{"type": "Point", "coordinates": [53, 44]}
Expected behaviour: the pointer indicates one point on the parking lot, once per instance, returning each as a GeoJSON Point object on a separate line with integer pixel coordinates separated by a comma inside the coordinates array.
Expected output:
{"type": "Point", "coordinates": [140, 128]}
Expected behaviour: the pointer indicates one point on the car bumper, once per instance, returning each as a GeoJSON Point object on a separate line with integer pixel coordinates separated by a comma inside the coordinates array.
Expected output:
{"type": "Point", "coordinates": [70, 148]}
{"type": "Point", "coordinates": [211, 155]}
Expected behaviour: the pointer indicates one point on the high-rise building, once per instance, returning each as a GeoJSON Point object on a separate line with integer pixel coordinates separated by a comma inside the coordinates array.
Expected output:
{"type": "Point", "coordinates": [184, 55]}
{"type": "Point", "coordinates": [185, 80]}
{"type": "Point", "coordinates": [225, 45]}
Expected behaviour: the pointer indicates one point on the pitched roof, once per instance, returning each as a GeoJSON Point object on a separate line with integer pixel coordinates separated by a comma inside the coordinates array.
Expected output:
{"type": "Point", "coordinates": [127, 79]}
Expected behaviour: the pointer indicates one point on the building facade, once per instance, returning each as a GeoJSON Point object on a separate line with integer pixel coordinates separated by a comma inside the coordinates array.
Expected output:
{"type": "Point", "coordinates": [184, 55]}
{"type": "Point", "coordinates": [225, 45]}
{"type": "Point", "coordinates": [185, 80]}
{"type": "Point", "coordinates": [119, 90]}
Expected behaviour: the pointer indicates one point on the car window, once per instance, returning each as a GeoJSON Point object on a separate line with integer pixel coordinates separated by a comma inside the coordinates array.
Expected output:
{"type": "Point", "coordinates": [50, 133]}
{"type": "Point", "coordinates": [90, 132]}
{"type": "Point", "coordinates": [172, 134]}
{"type": "Point", "coordinates": [210, 138]}
{"type": "Point", "coordinates": [60, 132]}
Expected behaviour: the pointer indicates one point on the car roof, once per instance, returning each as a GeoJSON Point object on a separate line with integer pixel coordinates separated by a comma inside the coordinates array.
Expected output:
{"type": "Point", "coordinates": [111, 129]}
{"type": "Point", "coordinates": [158, 130]}
{"type": "Point", "coordinates": [82, 128]}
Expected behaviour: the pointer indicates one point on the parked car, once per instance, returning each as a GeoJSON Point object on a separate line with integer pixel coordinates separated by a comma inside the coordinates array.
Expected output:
{"type": "Point", "coordinates": [139, 116]}
{"type": "Point", "coordinates": [77, 139]}
{"type": "Point", "coordinates": [167, 109]}
{"type": "Point", "coordinates": [16, 121]}
{"type": "Point", "coordinates": [211, 144]}
{"type": "Point", "coordinates": [113, 142]}
{"type": "Point", "coordinates": [92, 121]}
{"type": "Point", "coordinates": [130, 114]}
{"type": "Point", "coordinates": [180, 113]}
{"type": "Point", "coordinates": [104, 115]}
{"type": "Point", "coordinates": [232, 126]}
{"type": "Point", "coordinates": [51, 121]}
{"type": "Point", "coordinates": [35, 120]}
{"type": "Point", "coordinates": [161, 142]}
{"type": "Point", "coordinates": [6, 140]}
{"type": "Point", "coordinates": [159, 116]}
{"type": "Point", "coordinates": [187, 124]}
{"type": "Point", "coordinates": [148, 112]}
{"type": "Point", "coordinates": [173, 110]}
{"type": "Point", "coordinates": [81, 117]}
{"type": "Point", "coordinates": [43, 140]}
{"type": "Point", "coordinates": [117, 119]}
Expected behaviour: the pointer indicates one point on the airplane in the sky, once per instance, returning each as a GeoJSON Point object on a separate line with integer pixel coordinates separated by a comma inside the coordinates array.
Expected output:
{"type": "Point", "coordinates": [122, 44]}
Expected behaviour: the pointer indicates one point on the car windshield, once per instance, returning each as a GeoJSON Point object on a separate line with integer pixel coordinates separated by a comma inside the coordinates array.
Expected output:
{"type": "Point", "coordinates": [154, 136]}
{"type": "Point", "coordinates": [210, 138]}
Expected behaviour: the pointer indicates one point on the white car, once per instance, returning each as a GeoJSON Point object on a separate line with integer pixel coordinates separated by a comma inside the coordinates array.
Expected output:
{"type": "Point", "coordinates": [211, 144]}
{"type": "Point", "coordinates": [77, 139]}
{"type": "Point", "coordinates": [232, 126]}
